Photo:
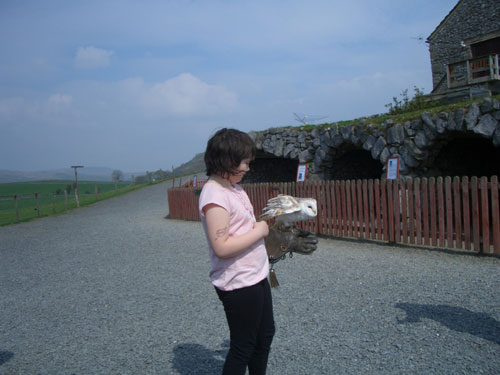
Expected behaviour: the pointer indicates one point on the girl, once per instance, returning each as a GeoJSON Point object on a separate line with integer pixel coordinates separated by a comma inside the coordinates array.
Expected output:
{"type": "Point", "coordinates": [239, 262]}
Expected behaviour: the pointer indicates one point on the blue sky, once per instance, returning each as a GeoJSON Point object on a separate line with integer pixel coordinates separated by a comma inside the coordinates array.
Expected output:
{"type": "Point", "coordinates": [141, 85]}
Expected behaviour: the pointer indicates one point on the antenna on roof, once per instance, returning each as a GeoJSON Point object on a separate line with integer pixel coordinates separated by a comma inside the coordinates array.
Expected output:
{"type": "Point", "coordinates": [419, 38]}
{"type": "Point", "coordinates": [306, 119]}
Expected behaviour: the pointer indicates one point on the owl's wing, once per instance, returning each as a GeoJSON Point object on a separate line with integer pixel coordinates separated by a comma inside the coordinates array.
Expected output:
{"type": "Point", "coordinates": [280, 205]}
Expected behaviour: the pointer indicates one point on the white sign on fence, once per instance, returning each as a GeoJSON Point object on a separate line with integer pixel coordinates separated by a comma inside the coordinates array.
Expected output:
{"type": "Point", "coordinates": [393, 168]}
{"type": "Point", "coordinates": [301, 172]}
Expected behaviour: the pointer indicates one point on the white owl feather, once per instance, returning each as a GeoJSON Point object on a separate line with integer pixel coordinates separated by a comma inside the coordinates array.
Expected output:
{"type": "Point", "coordinates": [287, 209]}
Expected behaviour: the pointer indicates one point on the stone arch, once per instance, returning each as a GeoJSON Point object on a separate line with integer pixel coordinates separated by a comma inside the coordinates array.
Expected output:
{"type": "Point", "coordinates": [270, 168]}
{"type": "Point", "coordinates": [342, 157]}
{"type": "Point", "coordinates": [463, 154]}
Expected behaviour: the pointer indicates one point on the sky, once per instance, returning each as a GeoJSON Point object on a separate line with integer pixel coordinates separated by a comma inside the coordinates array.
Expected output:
{"type": "Point", "coordinates": [142, 85]}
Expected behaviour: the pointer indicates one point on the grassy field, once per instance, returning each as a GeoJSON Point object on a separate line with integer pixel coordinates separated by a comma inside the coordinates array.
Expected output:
{"type": "Point", "coordinates": [51, 198]}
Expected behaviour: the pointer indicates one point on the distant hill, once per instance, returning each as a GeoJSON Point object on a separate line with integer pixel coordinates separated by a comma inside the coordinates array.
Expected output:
{"type": "Point", "coordinates": [195, 165]}
{"type": "Point", "coordinates": [84, 174]}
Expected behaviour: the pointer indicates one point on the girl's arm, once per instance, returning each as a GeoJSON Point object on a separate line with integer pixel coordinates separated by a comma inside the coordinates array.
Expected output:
{"type": "Point", "coordinates": [225, 246]}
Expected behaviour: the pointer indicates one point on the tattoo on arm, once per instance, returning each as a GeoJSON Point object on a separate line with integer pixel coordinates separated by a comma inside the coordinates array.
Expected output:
{"type": "Point", "coordinates": [221, 233]}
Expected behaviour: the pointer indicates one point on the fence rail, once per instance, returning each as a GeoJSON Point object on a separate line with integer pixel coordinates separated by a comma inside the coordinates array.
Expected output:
{"type": "Point", "coordinates": [472, 71]}
{"type": "Point", "coordinates": [458, 213]}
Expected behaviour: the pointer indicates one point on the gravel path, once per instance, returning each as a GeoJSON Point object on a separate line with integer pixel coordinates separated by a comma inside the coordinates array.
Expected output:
{"type": "Point", "coordinates": [116, 288]}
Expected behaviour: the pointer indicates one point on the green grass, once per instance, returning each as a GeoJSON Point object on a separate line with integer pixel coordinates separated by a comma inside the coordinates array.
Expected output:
{"type": "Point", "coordinates": [49, 202]}
{"type": "Point", "coordinates": [49, 187]}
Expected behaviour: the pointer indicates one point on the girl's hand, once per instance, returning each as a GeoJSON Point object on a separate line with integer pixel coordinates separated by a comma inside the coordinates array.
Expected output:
{"type": "Point", "coordinates": [224, 245]}
{"type": "Point", "coordinates": [262, 227]}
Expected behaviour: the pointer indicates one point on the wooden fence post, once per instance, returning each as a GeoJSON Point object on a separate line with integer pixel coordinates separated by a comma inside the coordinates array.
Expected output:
{"type": "Point", "coordinates": [96, 193]}
{"type": "Point", "coordinates": [37, 205]}
{"type": "Point", "coordinates": [371, 209]}
{"type": "Point", "coordinates": [385, 210]}
{"type": "Point", "coordinates": [404, 210]}
{"type": "Point", "coordinates": [449, 212]}
{"type": "Point", "coordinates": [475, 214]}
{"type": "Point", "coordinates": [495, 215]}
{"type": "Point", "coordinates": [397, 212]}
{"type": "Point", "coordinates": [467, 214]}
{"type": "Point", "coordinates": [350, 230]}
{"type": "Point", "coordinates": [359, 199]}
{"type": "Point", "coordinates": [425, 210]}
{"type": "Point", "coordinates": [441, 216]}
{"type": "Point", "coordinates": [432, 207]}
{"type": "Point", "coordinates": [53, 203]}
{"type": "Point", "coordinates": [65, 200]}
{"type": "Point", "coordinates": [485, 215]}
{"type": "Point", "coordinates": [354, 200]}
{"type": "Point", "coordinates": [378, 212]}
{"type": "Point", "coordinates": [390, 210]}
{"type": "Point", "coordinates": [366, 210]}
{"type": "Point", "coordinates": [411, 212]}
{"type": "Point", "coordinates": [458, 212]}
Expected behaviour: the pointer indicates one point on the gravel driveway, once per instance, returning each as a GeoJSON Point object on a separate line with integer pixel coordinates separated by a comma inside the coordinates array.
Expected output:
{"type": "Point", "coordinates": [117, 288]}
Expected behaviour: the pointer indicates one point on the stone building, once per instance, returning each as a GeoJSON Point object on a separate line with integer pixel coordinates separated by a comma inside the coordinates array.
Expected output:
{"type": "Point", "coordinates": [464, 50]}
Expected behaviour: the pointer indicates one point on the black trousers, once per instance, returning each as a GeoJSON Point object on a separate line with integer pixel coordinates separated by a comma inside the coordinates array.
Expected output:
{"type": "Point", "coordinates": [249, 313]}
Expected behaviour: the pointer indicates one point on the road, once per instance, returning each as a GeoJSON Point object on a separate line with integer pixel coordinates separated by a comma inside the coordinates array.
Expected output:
{"type": "Point", "coordinates": [118, 288]}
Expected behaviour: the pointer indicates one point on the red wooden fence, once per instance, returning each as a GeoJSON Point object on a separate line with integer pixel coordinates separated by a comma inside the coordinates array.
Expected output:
{"type": "Point", "coordinates": [439, 212]}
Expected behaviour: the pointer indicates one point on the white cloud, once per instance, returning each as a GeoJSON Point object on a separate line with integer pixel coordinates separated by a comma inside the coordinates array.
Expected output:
{"type": "Point", "coordinates": [187, 95]}
{"type": "Point", "coordinates": [58, 102]}
{"type": "Point", "coordinates": [91, 57]}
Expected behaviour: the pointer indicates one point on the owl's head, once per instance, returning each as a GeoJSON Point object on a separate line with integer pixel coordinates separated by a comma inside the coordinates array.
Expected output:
{"type": "Point", "coordinates": [309, 207]}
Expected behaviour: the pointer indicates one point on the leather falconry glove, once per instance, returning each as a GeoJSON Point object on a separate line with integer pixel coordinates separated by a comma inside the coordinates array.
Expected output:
{"type": "Point", "coordinates": [283, 240]}
{"type": "Point", "coordinates": [287, 240]}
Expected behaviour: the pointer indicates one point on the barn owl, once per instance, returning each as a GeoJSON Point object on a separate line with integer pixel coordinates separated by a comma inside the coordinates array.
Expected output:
{"type": "Point", "coordinates": [287, 209]}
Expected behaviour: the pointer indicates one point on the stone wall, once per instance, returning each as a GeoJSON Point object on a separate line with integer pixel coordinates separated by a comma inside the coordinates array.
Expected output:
{"type": "Point", "coordinates": [361, 150]}
{"type": "Point", "coordinates": [470, 19]}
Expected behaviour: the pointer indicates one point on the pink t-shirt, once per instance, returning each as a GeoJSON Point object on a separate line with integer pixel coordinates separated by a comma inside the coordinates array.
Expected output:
{"type": "Point", "coordinates": [249, 267]}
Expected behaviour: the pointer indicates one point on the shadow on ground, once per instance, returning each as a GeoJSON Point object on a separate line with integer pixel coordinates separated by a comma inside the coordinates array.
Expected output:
{"type": "Point", "coordinates": [455, 318]}
{"type": "Point", "coordinates": [196, 359]}
{"type": "Point", "coordinates": [5, 356]}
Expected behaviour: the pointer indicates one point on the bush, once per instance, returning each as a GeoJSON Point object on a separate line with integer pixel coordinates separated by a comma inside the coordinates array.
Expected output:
{"type": "Point", "coordinates": [418, 102]}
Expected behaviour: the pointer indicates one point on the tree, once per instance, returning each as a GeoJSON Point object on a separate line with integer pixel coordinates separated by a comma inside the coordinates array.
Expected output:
{"type": "Point", "coordinates": [117, 175]}
{"type": "Point", "coordinates": [160, 174]}
{"type": "Point", "coordinates": [140, 180]}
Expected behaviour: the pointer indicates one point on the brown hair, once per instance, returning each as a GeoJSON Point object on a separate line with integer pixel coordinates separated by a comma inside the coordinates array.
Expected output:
{"type": "Point", "coordinates": [225, 151]}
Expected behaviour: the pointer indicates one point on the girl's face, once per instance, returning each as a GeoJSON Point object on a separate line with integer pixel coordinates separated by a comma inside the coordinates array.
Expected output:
{"type": "Point", "coordinates": [243, 168]}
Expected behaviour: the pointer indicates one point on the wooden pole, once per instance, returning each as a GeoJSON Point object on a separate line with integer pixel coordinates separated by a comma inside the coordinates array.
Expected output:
{"type": "Point", "coordinates": [75, 167]}
{"type": "Point", "coordinates": [65, 200]}
{"type": "Point", "coordinates": [96, 193]}
{"type": "Point", "coordinates": [53, 203]}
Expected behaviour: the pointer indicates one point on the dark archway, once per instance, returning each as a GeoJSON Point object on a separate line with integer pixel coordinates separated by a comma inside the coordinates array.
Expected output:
{"type": "Point", "coordinates": [268, 168]}
{"type": "Point", "coordinates": [354, 164]}
{"type": "Point", "coordinates": [466, 155]}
